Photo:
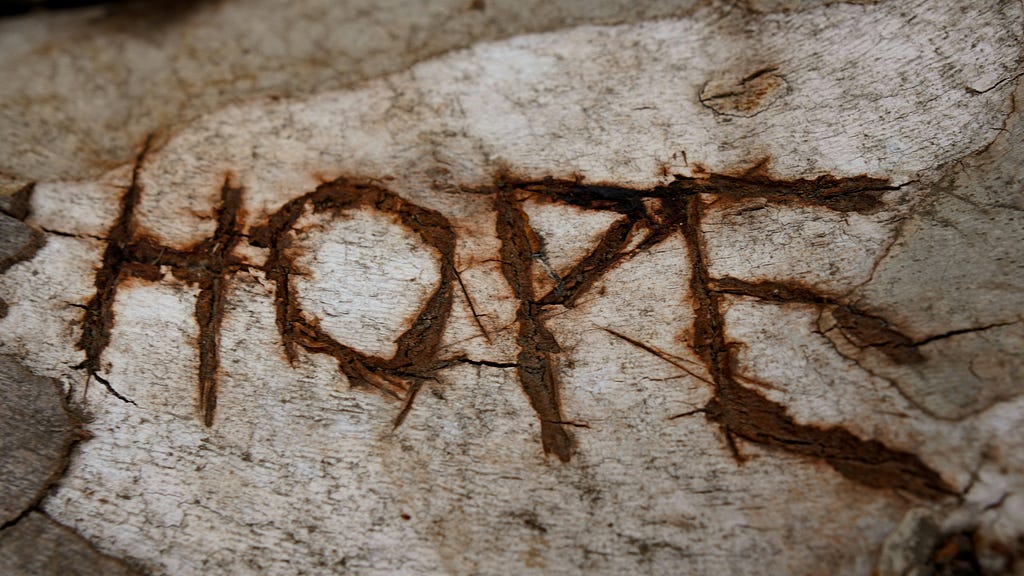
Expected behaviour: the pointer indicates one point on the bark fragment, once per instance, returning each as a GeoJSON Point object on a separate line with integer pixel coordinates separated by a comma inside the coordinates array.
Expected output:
{"type": "Point", "coordinates": [36, 436]}
{"type": "Point", "coordinates": [17, 240]}
{"type": "Point", "coordinates": [38, 546]}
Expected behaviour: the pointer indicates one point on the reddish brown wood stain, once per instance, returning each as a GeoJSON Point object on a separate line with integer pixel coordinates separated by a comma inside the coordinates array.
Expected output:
{"type": "Point", "coordinates": [652, 215]}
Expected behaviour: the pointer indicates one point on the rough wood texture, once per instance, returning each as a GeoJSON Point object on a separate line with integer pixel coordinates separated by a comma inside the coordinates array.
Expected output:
{"type": "Point", "coordinates": [81, 88]}
{"type": "Point", "coordinates": [738, 292]}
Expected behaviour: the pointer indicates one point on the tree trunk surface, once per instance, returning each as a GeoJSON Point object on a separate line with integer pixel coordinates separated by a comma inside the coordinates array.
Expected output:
{"type": "Point", "coordinates": [495, 287]}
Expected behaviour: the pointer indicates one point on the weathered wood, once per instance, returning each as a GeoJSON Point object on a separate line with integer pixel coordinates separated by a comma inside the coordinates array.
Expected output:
{"type": "Point", "coordinates": [734, 292]}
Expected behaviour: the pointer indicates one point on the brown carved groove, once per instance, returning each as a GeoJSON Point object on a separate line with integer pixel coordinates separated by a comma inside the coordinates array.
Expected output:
{"type": "Point", "coordinates": [535, 365]}
{"type": "Point", "coordinates": [18, 207]}
{"type": "Point", "coordinates": [648, 215]}
{"type": "Point", "coordinates": [130, 254]}
{"type": "Point", "coordinates": [740, 411]}
{"type": "Point", "coordinates": [860, 327]}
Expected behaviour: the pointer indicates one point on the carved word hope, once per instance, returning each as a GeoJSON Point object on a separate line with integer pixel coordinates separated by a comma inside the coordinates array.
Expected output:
{"type": "Point", "coordinates": [645, 219]}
